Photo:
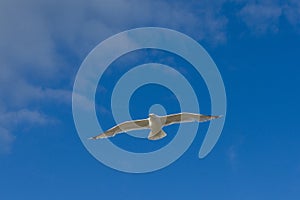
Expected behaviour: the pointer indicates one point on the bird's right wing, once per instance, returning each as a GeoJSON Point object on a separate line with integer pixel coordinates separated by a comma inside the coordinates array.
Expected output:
{"type": "Point", "coordinates": [185, 117]}
{"type": "Point", "coordinates": [123, 127]}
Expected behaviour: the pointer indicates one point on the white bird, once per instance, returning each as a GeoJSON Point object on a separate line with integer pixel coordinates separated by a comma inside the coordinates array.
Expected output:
{"type": "Point", "coordinates": [155, 123]}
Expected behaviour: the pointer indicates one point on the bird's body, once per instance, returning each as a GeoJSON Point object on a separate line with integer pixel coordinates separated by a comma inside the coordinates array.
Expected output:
{"type": "Point", "coordinates": [155, 123]}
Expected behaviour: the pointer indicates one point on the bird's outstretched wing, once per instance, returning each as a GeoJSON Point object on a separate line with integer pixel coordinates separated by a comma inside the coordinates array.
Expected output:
{"type": "Point", "coordinates": [123, 127]}
{"type": "Point", "coordinates": [186, 117]}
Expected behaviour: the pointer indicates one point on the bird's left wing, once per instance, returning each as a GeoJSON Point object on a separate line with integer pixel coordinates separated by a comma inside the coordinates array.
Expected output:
{"type": "Point", "coordinates": [123, 127]}
{"type": "Point", "coordinates": [185, 117]}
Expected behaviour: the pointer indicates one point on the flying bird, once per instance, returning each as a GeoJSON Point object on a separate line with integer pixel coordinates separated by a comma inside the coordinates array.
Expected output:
{"type": "Point", "coordinates": [155, 123]}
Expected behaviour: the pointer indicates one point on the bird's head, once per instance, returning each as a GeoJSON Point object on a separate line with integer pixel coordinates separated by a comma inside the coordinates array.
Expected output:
{"type": "Point", "coordinates": [151, 115]}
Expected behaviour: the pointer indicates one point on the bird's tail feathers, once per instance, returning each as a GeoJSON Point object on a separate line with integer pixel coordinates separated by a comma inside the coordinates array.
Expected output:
{"type": "Point", "coordinates": [157, 136]}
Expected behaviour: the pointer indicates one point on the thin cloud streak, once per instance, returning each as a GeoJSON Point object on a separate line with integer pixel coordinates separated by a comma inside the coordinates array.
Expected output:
{"type": "Point", "coordinates": [262, 17]}
{"type": "Point", "coordinates": [6, 141]}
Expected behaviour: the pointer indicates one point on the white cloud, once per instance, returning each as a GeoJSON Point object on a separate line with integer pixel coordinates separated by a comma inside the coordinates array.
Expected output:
{"type": "Point", "coordinates": [292, 12]}
{"type": "Point", "coordinates": [11, 121]}
{"type": "Point", "coordinates": [36, 35]}
{"type": "Point", "coordinates": [83, 102]}
{"type": "Point", "coordinates": [261, 17]}
{"type": "Point", "coordinates": [42, 42]}
{"type": "Point", "coordinates": [38, 38]}
{"type": "Point", "coordinates": [265, 16]}
{"type": "Point", "coordinates": [6, 140]}
{"type": "Point", "coordinates": [24, 116]}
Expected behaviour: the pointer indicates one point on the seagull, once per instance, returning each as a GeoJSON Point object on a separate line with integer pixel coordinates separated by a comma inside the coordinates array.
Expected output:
{"type": "Point", "coordinates": [155, 123]}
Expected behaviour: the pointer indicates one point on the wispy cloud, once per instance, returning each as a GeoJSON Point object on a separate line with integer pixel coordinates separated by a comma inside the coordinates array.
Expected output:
{"type": "Point", "coordinates": [18, 121]}
{"type": "Point", "coordinates": [291, 10]}
{"type": "Point", "coordinates": [23, 116]}
{"type": "Point", "coordinates": [37, 39]}
{"type": "Point", "coordinates": [265, 16]}
{"type": "Point", "coordinates": [13, 120]}
{"type": "Point", "coordinates": [6, 141]}
{"type": "Point", "coordinates": [232, 155]}
{"type": "Point", "coordinates": [43, 42]}
{"type": "Point", "coordinates": [233, 152]}
{"type": "Point", "coordinates": [261, 17]}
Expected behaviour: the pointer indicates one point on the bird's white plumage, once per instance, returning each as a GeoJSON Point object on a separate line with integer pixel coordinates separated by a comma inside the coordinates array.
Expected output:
{"type": "Point", "coordinates": [155, 124]}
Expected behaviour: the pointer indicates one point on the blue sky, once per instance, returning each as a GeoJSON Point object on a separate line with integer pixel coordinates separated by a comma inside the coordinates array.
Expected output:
{"type": "Point", "coordinates": [255, 45]}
